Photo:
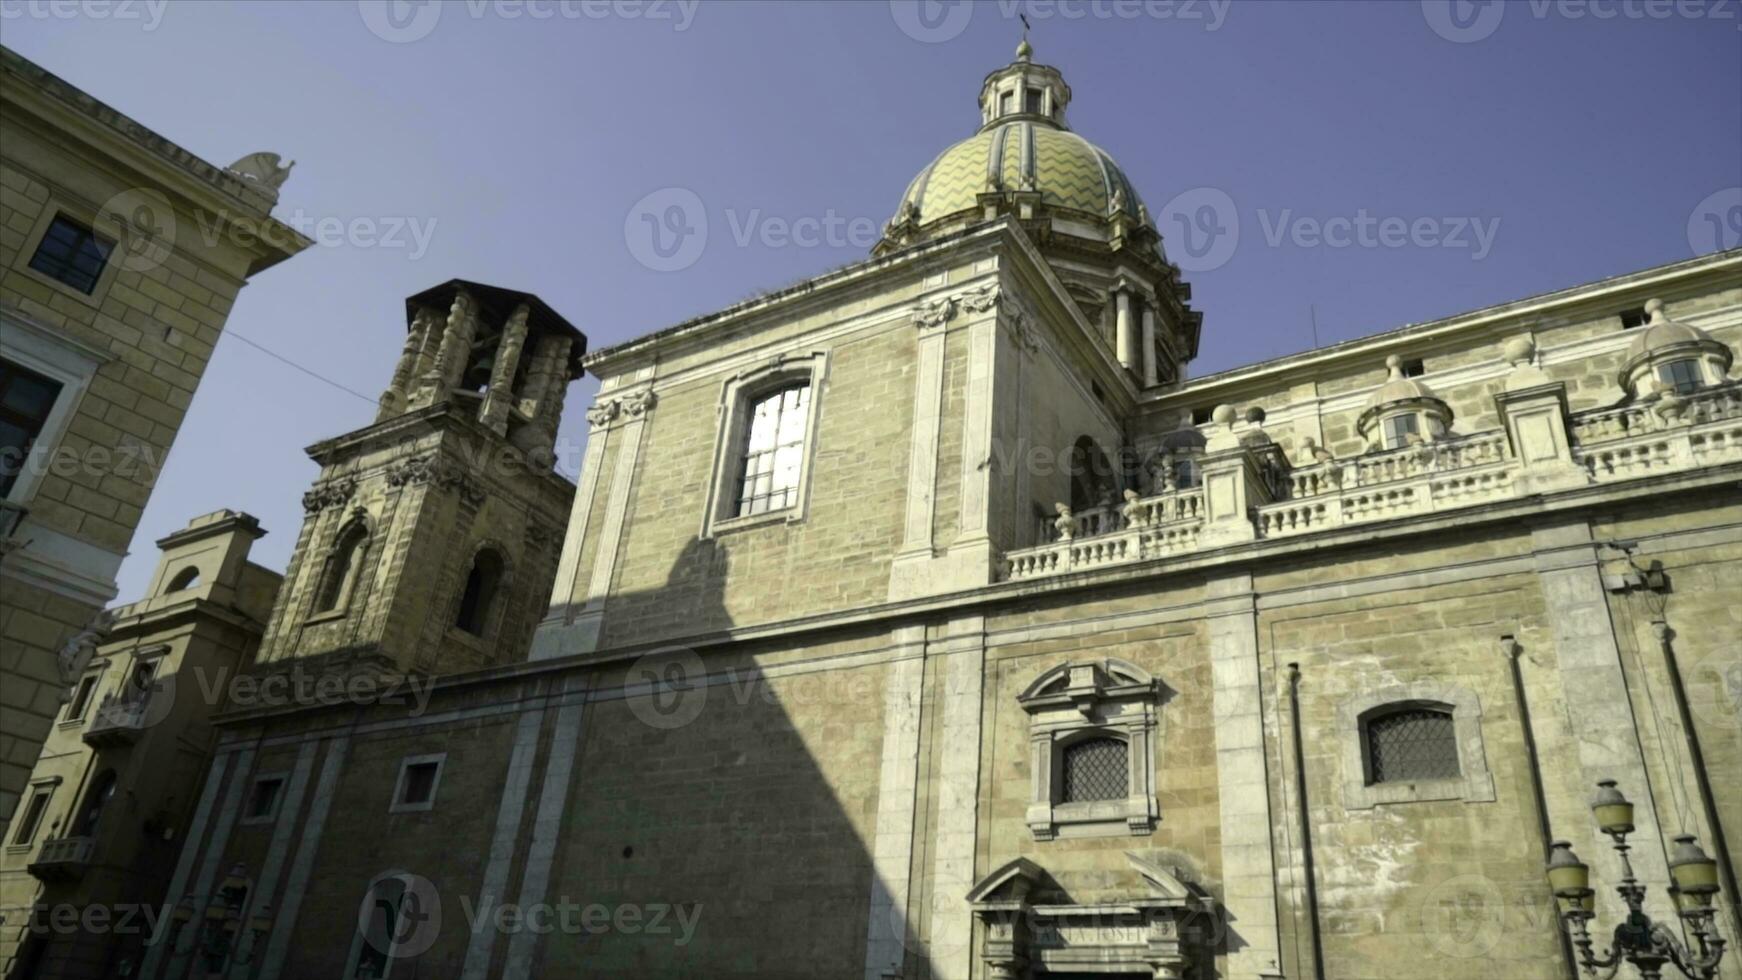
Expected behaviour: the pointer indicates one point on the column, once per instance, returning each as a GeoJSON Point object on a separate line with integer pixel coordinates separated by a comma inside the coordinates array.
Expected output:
{"type": "Point", "coordinates": [1150, 375]}
{"type": "Point", "coordinates": [1124, 330]}
{"type": "Point", "coordinates": [456, 347]}
{"type": "Point", "coordinates": [546, 388]}
{"type": "Point", "coordinates": [1605, 730]}
{"type": "Point", "coordinates": [887, 929]}
{"type": "Point", "coordinates": [499, 396]}
{"type": "Point", "coordinates": [961, 656]}
{"type": "Point", "coordinates": [1242, 774]}
{"type": "Point", "coordinates": [394, 399]}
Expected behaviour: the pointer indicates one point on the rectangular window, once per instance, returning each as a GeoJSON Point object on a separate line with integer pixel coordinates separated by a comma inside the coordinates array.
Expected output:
{"type": "Point", "coordinates": [1398, 429]}
{"type": "Point", "coordinates": [1633, 318]}
{"type": "Point", "coordinates": [419, 778]}
{"type": "Point", "coordinates": [263, 798]}
{"type": "Point", "coordinates": [1006, 103]}
{"type": "Point", "coordinates": [81, 701]}
{"type": "Point", "coordinates": [1032, 103]}
{"type": "Point", "coordinates": [71, 253]}
{"type": "Point", "coordinates": [32, 815]}
{"type": "Point", "coordinates": [26, 399]}
{"type": "Point", "coordinates": [1682, 377]}
{"type": "Point", "coordinates": [774, 451]}
{"type": "Point", "coordinates": [1414, 368]}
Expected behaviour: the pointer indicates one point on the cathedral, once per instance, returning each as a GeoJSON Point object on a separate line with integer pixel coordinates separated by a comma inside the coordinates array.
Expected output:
{"type": "Point", "coordinates": [928, 620]}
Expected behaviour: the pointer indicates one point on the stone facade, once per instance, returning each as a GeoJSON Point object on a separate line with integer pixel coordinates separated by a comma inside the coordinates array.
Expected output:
{"type": "Point", "coordinates": [122, 768]}
{"type": "Point", "coordinates": [1045, 663]}
{"type": "Point", "coordinates": [121, 350]}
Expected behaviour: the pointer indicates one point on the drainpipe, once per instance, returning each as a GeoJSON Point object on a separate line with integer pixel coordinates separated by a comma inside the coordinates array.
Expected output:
{"type": "Point", "coordinates": [1513, 651]}
{"type": "Point", "coordinates": [1306, 824]}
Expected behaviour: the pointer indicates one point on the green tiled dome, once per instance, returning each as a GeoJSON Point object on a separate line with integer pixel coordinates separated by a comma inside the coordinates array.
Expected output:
{"type": "Point", "coordinates": [1069, 172]}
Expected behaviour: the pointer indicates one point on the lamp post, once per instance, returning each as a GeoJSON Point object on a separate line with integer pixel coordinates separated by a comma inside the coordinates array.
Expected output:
{"type": "Point", "coordinates": [1646, 944]}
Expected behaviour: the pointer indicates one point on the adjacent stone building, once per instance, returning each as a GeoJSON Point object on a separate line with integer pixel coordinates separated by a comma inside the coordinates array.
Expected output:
{"type": "Point", "coordinates": [110, 799]}
{"type": "Point", "coordinates": [120, 256]}
{"type": "Point", "coordinates": [926, 620]}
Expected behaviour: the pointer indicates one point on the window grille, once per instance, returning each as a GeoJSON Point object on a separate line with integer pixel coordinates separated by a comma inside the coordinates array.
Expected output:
{"type": "Point", "coordinates": [1409, 745]}
{"type": "Point", "coordinates": [1095, 769]}
{"type": "Point", "coordinates": [774, 452]}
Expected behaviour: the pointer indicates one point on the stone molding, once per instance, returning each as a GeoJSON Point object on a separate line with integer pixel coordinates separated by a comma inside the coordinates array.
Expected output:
{"type": "Point", "coordinates": [1473, 784]}
{"type": "Point", "coordinates": [1084, 699]}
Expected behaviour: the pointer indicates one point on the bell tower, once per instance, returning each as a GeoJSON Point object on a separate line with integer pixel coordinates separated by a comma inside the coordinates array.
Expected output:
{"type": "Point", "coordinates": [432, 535]}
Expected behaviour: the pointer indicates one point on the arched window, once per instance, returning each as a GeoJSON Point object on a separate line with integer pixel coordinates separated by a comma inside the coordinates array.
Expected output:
{"type": "Point", "coordinates": [96, 798]}
{"type": "Point", "coordinates": [482, 583]}
{"type": "Point", "coordinates": [342, 567]}
{"type": "Point", "coordinates": [1411, 743]}
{"type": "Point", "coordinates": [773, 459]}
{"type": "Point", "coordinates": [1095, 769]}
{"type": "Point", "coordinates": [185, 579]}
{"type": "Point", "coordinates": [1091, 475]}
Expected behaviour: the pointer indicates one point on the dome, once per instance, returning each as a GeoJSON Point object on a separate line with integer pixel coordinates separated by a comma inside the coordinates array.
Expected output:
{"type": "Point", "coordinates": [1662, 333]}
{"type": "Point", "coordinates": [1069, 172]}
{"type": "Point", "coordinates": [1024, 161]}
{"type": "Point", "coordinates": [1398, 388]}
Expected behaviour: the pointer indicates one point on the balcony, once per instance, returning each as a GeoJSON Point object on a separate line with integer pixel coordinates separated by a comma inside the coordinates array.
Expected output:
{"type": "Point", "coordinates": [1670, 434]}
{"type": "Point", "coordinates": [117, 721]}
{"type": "Point", "coordinates": [62, 858]}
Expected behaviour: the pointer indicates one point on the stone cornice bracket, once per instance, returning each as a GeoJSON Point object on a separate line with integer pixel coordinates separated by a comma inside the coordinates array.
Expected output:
{"type": "Point", "coordinates": [324, 496]}
{"type": "Point", "coordinates": [980, 299]}
{"type": "Point", "coordinates": [934, 314]}
{"type": "Point", "coordinates": [437, 473]}
{"type": "Point", "coordinates": [626, 408]}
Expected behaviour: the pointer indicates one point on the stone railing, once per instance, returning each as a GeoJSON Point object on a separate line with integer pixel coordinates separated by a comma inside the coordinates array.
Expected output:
{"type": "Point", "coordinates": [1668, 435]}
{"type": "Point", "coordinates": [62, 857]}
{"type": "Point", "coordinates": [1147, 527]}
{"type": "Point", "coordinates": [118, 720]}
{"type": "Point", "coordinates": [1700, 429]}
{"type": "Point", "coordinates": [1716, 404]}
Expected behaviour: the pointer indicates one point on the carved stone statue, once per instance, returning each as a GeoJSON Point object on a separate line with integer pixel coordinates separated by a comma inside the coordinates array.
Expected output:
{"type": "Point", "coordinates": [75, 655]}
{"type": "Point", "coordinates": [262, 168]}
{"type": "Point", "coordinates": [1131, 510]}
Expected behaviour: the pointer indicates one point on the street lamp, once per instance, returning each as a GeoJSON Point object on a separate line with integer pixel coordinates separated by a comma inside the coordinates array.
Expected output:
{"type": "Point", "coordinates": [1646, 944]}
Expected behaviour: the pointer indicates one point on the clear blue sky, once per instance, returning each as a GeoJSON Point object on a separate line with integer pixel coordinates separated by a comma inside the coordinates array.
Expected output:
{"type": "Point", "coordinates": [519, 144]}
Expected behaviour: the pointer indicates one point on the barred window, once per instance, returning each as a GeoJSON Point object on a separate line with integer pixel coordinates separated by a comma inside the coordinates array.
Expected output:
{"type": "Point", "coordinates": [1095, 769]}
{"type": "Point", "coordinates": [774, 451]}
{"type": "Point", "coordinates": [1412, 744]}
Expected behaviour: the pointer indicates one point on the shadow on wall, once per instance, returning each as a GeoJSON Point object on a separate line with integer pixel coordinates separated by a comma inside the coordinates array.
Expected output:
{"type": "Point", "coordinates": [742, 800]}
{"type": "Point", "coordinates": [717, 821]}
